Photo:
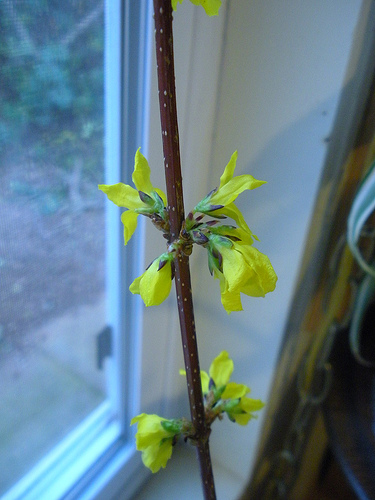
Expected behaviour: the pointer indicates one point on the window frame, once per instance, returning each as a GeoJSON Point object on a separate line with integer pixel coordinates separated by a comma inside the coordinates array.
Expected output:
{"type": "Point", "coordinates": [98, 457]}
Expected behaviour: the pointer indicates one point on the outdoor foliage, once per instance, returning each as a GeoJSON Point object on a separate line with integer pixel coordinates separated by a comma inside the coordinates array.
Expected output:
{"type": "Point", "coordinates": [52, 157]}
{"type": "Point", "coordinates": [48, 54]}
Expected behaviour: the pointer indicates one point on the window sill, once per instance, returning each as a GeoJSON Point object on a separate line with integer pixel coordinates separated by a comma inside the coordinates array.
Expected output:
{"type": "Point", "coordinates": [86, 465]}
{"type": "Point", "coordinates": [181, 479]}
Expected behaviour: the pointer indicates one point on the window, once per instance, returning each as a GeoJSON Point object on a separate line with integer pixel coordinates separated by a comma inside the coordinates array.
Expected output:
{"type": "Point", "coordinates": [72, 98]}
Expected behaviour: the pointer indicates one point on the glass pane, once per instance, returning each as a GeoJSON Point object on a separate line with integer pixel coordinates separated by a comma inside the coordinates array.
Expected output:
{"type": "Point", "coordinates": [51, 226]}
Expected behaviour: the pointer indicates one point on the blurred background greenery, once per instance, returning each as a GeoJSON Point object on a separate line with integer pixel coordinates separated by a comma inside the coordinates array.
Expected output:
{"type": "Point", "coordinates": [51, 92]}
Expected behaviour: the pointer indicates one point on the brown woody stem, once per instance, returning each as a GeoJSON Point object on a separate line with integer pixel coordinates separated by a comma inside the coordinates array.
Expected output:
{"type": "Point", "coordinates": [172, 164]}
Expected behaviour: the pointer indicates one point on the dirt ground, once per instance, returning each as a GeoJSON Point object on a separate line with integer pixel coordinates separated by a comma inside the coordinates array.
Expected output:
{"type": "Point", "coordinates": [51, 255]}
{"type": "Point", "coordinates": [52, 278]}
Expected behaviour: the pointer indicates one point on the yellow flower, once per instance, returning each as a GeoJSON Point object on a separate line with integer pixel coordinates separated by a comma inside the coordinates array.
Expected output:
{"type": "Point", "coordinates": [219, 375]}
{"type": "Point", "coordinates": [242, 410]}
{"type": "Point", "coordinates": [228, 397]}
{"type": "Point", "coordinates": [240, 267]}
{"type": "Point", "coordinates": [210, 6]}
{"type": "Point", "coordinates": [155, 438]}
{"type": "Point", "coordinates": [146, 199]}
{"type": "Point", "coordinates": [238, 407]}
{"type": "Point", "coordinates": [220, 371]}
{"type": "Point", "coordinates": [220, 201]}
{"type": "Point", "coordinates": [218, 378]}
{"type": "Point", "coordinates": [154, 285]}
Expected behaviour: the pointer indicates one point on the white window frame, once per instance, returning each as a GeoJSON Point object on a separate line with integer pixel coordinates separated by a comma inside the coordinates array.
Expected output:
{"type": "Point", "coordinates": [98, 457]}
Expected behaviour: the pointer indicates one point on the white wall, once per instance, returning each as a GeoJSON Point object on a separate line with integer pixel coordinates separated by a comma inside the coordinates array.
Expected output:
{"type": "Point", "coordinates": [283, 71]}
{"type": "Point", "coordinates": [263, 78]}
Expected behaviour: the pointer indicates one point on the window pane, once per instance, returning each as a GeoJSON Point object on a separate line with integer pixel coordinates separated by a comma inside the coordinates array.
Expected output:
{"type": "Point", "coordinates": [52, 224]}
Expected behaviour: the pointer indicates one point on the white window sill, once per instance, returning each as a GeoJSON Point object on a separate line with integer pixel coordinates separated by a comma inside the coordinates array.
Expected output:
{"type": "Point", "coordinates": [181, 479]}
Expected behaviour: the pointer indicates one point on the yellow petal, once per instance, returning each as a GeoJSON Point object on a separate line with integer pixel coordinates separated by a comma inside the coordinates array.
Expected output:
{"type": "Point", "coordinates": [231, 301]}
{"type": "Point", "coordinates": [157, 455]}
{"type": "Point", "coordinates": [148, 422]}
{"type": "Point", "coordinates": [235, 186]}
{"type": "Point", "coordinates": [205, 381]}
{"type": "Point", "coordinates": [122, 195]}
{"type": "Point", "coordinates": [136, 419]}
{"type": "Point", "coordinates": [149, 431]}
{"type": "Point", "coordinates": [229, 170]}
{"type": "Point", "coordinates": [156, 284]}
{"type": "Point", "coordinates": [236, 269]}
{"type": "Point", "coordinates": [249, 405]}
{"type": "Point", "coordinates": [264, 278]}
{"type": "Point", "coordinates": [134, 287]}
{"type": "Point", "coordinates": [234, 391]}
{"type": "Point", "coordinates": [221, 369]}
{"type": "Point", "coordinates": [141, 174]}
{"type": "Point", "coordinates": [146, 439]}
{"type": "Point", "coordinates": [242, 418]}
{"type": "Point", "coordinates": [210, 6]}
{"type": "Point", "coordinates": [153, 440]}
{"type": "Point", "coordinates": [151, 424]}
{"type": "Point", "coordinates": [129, 219]}
{"type": "Point", "coordinates": [243, 413]}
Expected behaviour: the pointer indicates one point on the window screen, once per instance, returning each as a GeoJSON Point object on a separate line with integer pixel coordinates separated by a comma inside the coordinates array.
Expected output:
{"type": "Point", "coordinates": [52, 263]}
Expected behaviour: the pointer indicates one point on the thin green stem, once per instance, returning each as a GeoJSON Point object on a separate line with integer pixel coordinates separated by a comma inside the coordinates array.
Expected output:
{"type": "Point", "coordinates": [172, 164]}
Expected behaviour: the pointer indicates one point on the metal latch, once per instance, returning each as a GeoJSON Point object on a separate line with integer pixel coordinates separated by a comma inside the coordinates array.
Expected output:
{"type": "Point", "coordinates": [103, 346]}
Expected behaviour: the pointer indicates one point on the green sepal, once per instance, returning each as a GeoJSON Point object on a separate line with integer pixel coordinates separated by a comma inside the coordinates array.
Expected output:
{"type": "Point", "coordinates": [159, 204]}
{"type": "Point", "coordinates": [218, 391]}
{"type": "Point", "coordinates": [212, 263]}
{"type": "Point", "coordinates": [218, 240]}
{"type": "Point", "coordinates": [232, 405]}
{"type": "Point", "coordinates": [173, 426]}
